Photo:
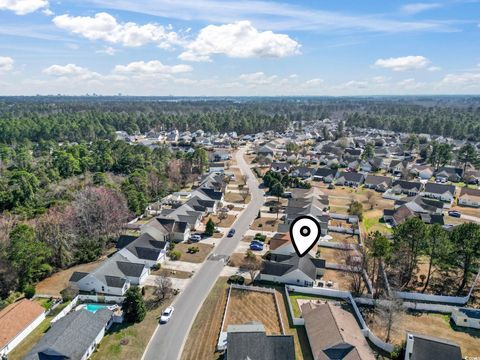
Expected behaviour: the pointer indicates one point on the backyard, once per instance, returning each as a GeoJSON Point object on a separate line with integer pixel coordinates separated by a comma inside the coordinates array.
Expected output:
{"type": "Point", "coordinates": [247, 305]}
{"type": "Point", "coordinates": [437, 325]}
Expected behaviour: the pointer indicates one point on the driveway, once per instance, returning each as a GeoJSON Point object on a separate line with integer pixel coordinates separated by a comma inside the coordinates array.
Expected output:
{"type": "Point", "coordinates": [168, 340]}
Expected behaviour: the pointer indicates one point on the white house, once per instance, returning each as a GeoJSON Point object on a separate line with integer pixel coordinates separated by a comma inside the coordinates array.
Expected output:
{"type": "Point", "coordinates": [441, 192]}
{"type": "Point", "coordinates": [464, 317]}
{"type": "Point", "coordinates": [73, 337]}
{"type": "Point", "coordinates": [17, 321]}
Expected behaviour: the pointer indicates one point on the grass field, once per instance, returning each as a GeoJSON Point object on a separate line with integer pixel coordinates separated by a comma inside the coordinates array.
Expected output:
{"type": "Point", "coordinates": [371, 222]}
{"type": "Point", "coordinates": [246, 306]}
{"type": "Point", "coordinates": [198, 257]}
{"type": "Point", "coordinates": [202, 339]}
{"type": "Point", "coordinates": [227, 222]}
{"type": "Point", "coordinates": [177, 274]}
{"type": "Point", "coordinates": [59, 281]}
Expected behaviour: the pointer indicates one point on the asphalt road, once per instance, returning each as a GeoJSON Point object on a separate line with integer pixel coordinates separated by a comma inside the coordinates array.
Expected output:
{"type": "Point", "coordinates": [168, 340]}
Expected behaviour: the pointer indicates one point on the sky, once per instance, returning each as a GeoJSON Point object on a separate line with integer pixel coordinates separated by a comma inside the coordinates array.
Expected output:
{"type": "Point", "coordinates": [239, 48]}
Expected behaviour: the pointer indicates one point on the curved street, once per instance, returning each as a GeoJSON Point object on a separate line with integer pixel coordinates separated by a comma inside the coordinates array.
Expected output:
{"type": "Point", "coordinates": [168, 340]}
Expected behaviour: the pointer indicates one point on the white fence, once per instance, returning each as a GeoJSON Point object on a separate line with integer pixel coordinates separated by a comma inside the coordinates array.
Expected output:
{"type": "Point", "coordinates": [336, 245]}
{"type": "Point", "coordinates": [66, 310]}
{"type": "Point", "coordinates": [101, 298]}
{"type": "Point", "coordinates": [344, 230]}
{"type": "Point", "coordinates": [338, 295]}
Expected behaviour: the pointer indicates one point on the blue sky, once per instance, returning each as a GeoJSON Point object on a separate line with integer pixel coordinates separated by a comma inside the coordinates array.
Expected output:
{"type": "Point", "coordinates": [224, 47]}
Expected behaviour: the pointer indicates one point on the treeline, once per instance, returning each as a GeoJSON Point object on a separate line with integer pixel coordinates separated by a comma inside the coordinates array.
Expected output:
{"type": "Point", "coordinates": [453, 256]}
{"type": "Point", "coordinates": [449, 121]}
{"type": "Point", "coordinates": [37, 177]}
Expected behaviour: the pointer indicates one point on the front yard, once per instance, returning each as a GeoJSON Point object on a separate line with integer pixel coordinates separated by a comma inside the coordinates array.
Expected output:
{"type": "Point", "coordinates": [265, 224]}
{"type": "Point", "coordinates": [198, 257]}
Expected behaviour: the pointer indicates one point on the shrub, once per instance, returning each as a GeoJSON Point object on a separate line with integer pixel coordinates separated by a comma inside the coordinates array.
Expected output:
{"type": "Point", "coordinates": [236, 279]}
{"type": "Point", "coordinates": [260, 237]}
{"type": "Point", "coordinates": [193, 249]}
{"type": "Point", "coordinates": [29, 291]}
{"type": "Point", "coordinates": [156, 267]}
{"type": "Point", "coordinates": [174, 255]}
{"type": "Point", "coordinates": [69, 293]}
{"type": "Point", "coordinates": [210, 227]}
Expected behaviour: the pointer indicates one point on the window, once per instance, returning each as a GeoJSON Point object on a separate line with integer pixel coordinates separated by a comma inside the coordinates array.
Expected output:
{"type": "Point", "coordinates": [103, 288]}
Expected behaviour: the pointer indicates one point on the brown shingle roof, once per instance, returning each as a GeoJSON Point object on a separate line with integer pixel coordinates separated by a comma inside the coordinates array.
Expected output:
{"type": "Point", "coordinates": [470, 193]}
{"type": "Point", "coordinates": [334, 333]}
{"type": "Point", "coordinates": [16, 317]}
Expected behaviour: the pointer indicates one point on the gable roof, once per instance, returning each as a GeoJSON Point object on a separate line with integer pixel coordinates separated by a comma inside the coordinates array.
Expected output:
{"type": "Point", "coordinates": [333, 333]}
{"type": "Point", "coordinates": [325, 172]}
{"type": "Point", "coordinates": [256, 345]}
{"type": "Point", "coordinates": [435, 188]}
{"type": "Point", "coordinates": [16, 317]}
{"type": "Point", "coordinates": [407, 185]}
{"type": "Point", "coordinates": [466, 192]}
{"type": "Point", "coordinates": [377, 180]}
{"type": "Point", "coordinates": [71, 336]}
{"type": "Point", "coordinates": [280, 265]}
{"type": "Point", "coordinates": [428, 347]}
{"type": "Point", "coordinates": [351, 176]}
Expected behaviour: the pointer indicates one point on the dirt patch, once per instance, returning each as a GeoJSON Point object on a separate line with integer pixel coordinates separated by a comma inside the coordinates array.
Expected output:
{"type": "Point", "coordinates": [177, 274]}
{"type": "Point", "coordinates": [202, 339]}
{"type": "Point", "coordinates": [199, 257]}
{"type": "Point", "coordinates": [335, 256]}
{"type": "Point", "coordinates": [236, 259]}
{"type": "Point", "coordinates": [344, 238]}
{"type": "Point", "coordinates": [437, 325]}
{"type": "Point", "coordinates": [236, 198]}
{"type": "Point", "coordinates": [265, 224]}
{"type": "Point", "coordinates": [339, 279]}
{"type": "Point", "coordinates": [246, 306]}
{"type": "Point", "coordinates": [227, 222]}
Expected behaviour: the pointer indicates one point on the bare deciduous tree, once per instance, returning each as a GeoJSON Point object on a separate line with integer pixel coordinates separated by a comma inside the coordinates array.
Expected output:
{"type": "Point", "coordinates": [163, 288]}
{"type": "Point", "coordinates": [389, 310]}
{"type": "Point", "coordinates": [252, 264]}
{"type": "Point", "coordinates": [371, 199]}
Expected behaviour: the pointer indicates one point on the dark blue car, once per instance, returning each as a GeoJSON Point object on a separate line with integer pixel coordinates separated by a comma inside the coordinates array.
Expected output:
{"type": "Point", "coordinates": [231, 233]}
{"type": "Point", "coordinates": [256, 247]}
{"type": "Point", "coordinates": [454, 213]}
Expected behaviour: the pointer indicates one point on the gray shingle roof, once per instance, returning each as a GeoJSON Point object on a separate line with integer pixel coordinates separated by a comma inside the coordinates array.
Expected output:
{"type": "Point", "coordinates": [427, 348]}
{"type": "Point", "coordinates": [71, 336]}
{"type": "Point", "coordinates": [259, 346]}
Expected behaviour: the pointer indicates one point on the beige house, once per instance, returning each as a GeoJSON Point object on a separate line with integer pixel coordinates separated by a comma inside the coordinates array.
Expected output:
{"type": "Point", "coordinates": [469, 197]}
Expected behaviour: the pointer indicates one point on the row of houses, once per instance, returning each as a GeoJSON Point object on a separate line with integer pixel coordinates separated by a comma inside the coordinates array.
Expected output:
{"type": "Point", "coordinates": [136, 255]}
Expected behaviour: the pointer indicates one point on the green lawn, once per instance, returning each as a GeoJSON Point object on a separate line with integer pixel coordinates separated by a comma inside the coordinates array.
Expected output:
{"type": "Point", "coordinates": [373, 223]}
{"type": "Point", "coordinates": [31, 340]}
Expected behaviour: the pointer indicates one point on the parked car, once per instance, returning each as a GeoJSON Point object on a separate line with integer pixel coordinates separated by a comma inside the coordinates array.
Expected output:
{"type": "Point", "coordinates": [166, 315]}
{"type": "Point", "coordinates": [257, 242]}
{"type": "Point", "coordinates": [454, 213]}
{"type": "Point", "coordinates": [331, 187]}
{"type": "Point", "coordinates": [195, 237]}
{"type": "Point", "coordinates": [231, 233]}
{"type": "Point", "coordinates": [256, 247]}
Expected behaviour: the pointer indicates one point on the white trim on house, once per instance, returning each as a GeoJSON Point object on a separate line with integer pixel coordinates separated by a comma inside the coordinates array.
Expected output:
{"type": "Point", "coordinates": [22, 335]}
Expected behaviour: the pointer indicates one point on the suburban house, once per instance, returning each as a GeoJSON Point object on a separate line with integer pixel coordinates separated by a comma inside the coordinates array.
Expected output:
{"type": "Point", "coordinates": [429, 210]}
{"type": "Point", "coordinates": [398, 167]}
{"type": "Point", "coordinates": [167, 229]}
{"type": "Point", "coordinates": [281, 167]}
{"type": "Point", "coordinates": [326, 175]}
{"type": "Point", "coordinates": [17, 321]}
{"type": "Point", "coordinates": [378, 183]}
{"type": "Point", "coordinates": [351, 179]}
{"type": "Point", "coordinates": [469, 197]}
{"type": "Point", "coordinates": [221, 156]}
{"type": "Point", "coordinates": [446, 173]}
{"type": "Point", "coordinates": [265, 151]}
{"type": "Point", "coordinates": [471, 176]}
{"type": "Point", "coordinates": [440, 191]}
{"type": "Point", "coordinates": [409, 188]}
{"type": "Point", "coordinates": [250, 341]}
{"type": "Point", "coordinates": [73, 337]}
{"type": "Point", "coordinates": [333, 333]}
{"type": "Point", "coordinates": [424, 172]}
{"type": "Point", "coordinates": [372, 165]}
{"type": "Point", "coordinates": [292, 269]}
{"type": "Point", "coordinates": [303, 172]}
{"type": "Point", "coordinates": [423, 347]}
{"type": "Point", "coordinates": [464, 317]}
{"type": "Point", "coordinates": [113, 277]}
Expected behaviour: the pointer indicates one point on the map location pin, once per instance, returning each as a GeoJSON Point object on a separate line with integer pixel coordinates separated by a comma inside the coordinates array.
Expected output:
{"type": "Point", "coordinates": [304, 232]}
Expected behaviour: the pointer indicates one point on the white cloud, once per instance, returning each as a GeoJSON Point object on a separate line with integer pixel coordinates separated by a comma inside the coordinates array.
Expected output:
{"type": "Point", "coordinates": [410, 84]}
{"type": "Point", "coordinates": [153, 67]}
{"type": "Point", "coordinates": [258, 78]}
{"type": "Point", "coordinates": [23, 7]}
{"type": "Point", "coordinates": [239, 40]}
{"type": "Point", "coordinates": [403, 63]}
{"type": "Point", "coordinates": [313, 82]}
{"type": "Point", "coordinates": [70, 70]}
{"type": "Point", "coordinates": [380, 79]}
{"type": "Point", "coordinates": [107, 50]}
{"type": "Point", "coordinates": [6, 63]}
{"type": "Point", "coordinates": [104, 26]}
{"type": "Point", "coordinates": [434, 68]}
{"type": "Point", "coordinates": [468, 78]}
{"type": "Point", "coordinates": [416, 8]}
